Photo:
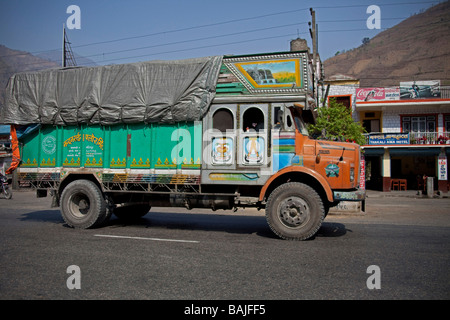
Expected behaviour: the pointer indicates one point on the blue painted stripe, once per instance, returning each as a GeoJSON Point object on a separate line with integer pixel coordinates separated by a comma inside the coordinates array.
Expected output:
{"type": "Point", "coordinates": [283, 142]}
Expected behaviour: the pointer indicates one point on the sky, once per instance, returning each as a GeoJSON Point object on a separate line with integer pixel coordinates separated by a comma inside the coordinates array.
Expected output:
{"type": "Point", "coordinates": [115, 32]}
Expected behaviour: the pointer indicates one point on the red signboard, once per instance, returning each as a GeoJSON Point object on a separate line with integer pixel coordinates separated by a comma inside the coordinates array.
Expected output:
{"type": "Point", "coordinates": [377, 94]}
{"type": "Point", "coordinates": [362, 177]}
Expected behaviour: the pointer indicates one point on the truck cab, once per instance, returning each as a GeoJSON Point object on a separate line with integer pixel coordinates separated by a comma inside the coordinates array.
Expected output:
{"type": "Point", "coordinates": [264, 151]}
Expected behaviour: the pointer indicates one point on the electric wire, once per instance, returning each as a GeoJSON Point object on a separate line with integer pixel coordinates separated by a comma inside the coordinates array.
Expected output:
{"type": "Point", "coordinates": [234, 21]}
{"type": "Point", "coordinates": [220, 36]}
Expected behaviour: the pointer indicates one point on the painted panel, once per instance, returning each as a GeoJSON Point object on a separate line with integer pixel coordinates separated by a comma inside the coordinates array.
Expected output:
{"type": "Point", "coordinates": [30, 150]}
{"type": "Point", "coordinates": [72, 140]}
{"type": "Point", "coordinates": [117, 144]}
{"type": "Point", "coordinates": [48, 150]}
{"type": "Point", "coordinates": [284, 150]}
{"type": "Point", "coordinates": [272, 73]}
{"type": "Point", "coordinates": [93, 146]}
{"type": "Point", "coordinates": [254, 150]}
{"type": "Point", "coordinates": [134, 146]}
{"type": "Point", "coordinates": [140, 146]}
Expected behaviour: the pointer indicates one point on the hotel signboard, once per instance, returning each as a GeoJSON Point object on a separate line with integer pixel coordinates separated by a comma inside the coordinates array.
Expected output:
{"type": "Point", "coordinates": [388, 138]}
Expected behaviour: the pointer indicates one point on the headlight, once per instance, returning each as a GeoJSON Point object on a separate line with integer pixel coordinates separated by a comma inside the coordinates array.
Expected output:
{"type": "Point", "coordinates": [352, 174]}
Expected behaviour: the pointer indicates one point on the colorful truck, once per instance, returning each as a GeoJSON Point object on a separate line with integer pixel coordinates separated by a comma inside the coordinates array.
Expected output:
{"type": "Point", "coordinates": [217, 132]}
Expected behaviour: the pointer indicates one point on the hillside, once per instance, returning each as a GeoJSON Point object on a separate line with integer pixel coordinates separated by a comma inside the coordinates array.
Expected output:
{"type": "Point", "coordinates": [13, 61]}
{"type": "Point", "coordinates": [418, 48]}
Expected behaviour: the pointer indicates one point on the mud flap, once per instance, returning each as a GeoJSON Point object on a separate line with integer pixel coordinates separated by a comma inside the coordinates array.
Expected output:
{"type": "Point", "coordinates": [15, 151]}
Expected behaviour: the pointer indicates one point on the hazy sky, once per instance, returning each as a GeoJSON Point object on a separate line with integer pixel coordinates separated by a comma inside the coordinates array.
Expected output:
{"type": "Point", "coordinates": [137, 30]}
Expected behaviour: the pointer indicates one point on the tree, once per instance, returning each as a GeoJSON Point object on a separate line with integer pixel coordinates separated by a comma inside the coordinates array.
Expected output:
{"type": "Point", "coordinates": [335, 122]}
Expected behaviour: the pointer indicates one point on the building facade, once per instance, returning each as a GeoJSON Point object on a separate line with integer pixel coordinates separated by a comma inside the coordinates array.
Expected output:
{"type": "Point", "coordinates": [408, 137]}
{"type": "Point", "coordinates": [408, 131]}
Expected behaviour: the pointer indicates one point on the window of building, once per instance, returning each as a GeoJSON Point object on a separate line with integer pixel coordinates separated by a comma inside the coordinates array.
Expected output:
{"type": "Point", "coordinates": [419, 123]}
{"type": "Point", "coordinates": [447, 123]}
{"type": "Point", "coordinates": [372, 125]}
{"type": "Point", "coordinates": [371, 121]}
{"type": "Point", "coordinates": [346, 100]}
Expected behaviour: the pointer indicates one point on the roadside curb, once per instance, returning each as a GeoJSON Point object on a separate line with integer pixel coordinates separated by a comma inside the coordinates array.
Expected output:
{"type": "Point", "coordinates": [405, 194]}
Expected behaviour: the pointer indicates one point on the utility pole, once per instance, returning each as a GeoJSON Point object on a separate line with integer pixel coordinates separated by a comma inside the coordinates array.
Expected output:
{"type": "Point", "coordinates": [317, 70]}
{"type": "Point", "coordinates": [63, 62]}
{"type": "Point", "coordinates": [68, 58]}
{"type": "Point", "coordinates": [313, 32]}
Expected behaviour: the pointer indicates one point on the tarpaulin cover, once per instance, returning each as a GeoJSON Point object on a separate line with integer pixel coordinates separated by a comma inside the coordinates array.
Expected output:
{"type": "Point", "coordinates": [153, 91]}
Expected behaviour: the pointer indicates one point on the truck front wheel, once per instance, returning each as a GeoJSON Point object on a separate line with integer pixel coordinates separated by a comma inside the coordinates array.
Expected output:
{"type": "Point", "coordinates": [294, 211]}
{"type": "Point", "coordinates": [83, 205]}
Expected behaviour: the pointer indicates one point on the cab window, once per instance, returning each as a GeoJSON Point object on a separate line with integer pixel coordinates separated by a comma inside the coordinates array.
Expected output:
{"type": "Point", "coordinates": [223, 120]}
{"type": "Point", "coordinates": [253, 120]}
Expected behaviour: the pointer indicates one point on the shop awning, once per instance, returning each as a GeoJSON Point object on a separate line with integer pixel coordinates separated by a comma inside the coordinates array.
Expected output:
{"type": "Point", "coordinates": [407, 151]}
{"type": "Point", "coordinates": [373, 152]}
{"type": "Point", "coordinates": [421, 152]}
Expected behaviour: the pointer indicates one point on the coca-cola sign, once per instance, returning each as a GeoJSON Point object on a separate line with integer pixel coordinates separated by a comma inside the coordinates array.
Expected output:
{"type": "Point", "coordinates": [377, 94]}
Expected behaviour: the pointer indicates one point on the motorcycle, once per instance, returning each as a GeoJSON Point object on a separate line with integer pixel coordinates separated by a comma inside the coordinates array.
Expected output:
{"type": "Point", "coordinates": [5, 187]}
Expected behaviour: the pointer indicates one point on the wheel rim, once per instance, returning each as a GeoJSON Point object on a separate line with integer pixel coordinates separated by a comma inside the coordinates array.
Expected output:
{"type": "Point", "coordinates": [79, 205]}
{"type": "Point", "coordinates": [294, 212]}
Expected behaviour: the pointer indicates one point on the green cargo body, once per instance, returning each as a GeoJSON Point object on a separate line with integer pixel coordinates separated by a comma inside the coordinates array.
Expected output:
{"type": "Point", "coordinates": [144, 149]}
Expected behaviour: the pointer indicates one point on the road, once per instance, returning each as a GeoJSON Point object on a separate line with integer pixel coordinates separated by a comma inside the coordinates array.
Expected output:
{"type": "Point", "coordinates": [175, 254]}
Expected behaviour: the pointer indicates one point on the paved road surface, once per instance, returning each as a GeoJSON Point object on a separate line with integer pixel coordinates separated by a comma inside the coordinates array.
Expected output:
{"type": "Point", "coordinates": [173, 253]}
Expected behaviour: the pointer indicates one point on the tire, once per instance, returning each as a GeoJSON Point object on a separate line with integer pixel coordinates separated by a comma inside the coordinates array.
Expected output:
{"type": "Point", "coordinates": [294, 211]}
{"type": "Point", "coordinates": [7, 193]}
{"type": "Point", "coordinates": [83, 205]}
{"type": "Point", "coordinates": [132, 212]}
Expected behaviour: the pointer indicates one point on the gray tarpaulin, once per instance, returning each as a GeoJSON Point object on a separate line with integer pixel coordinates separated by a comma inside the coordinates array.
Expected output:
{"type": "Point", "coordinates": [153, 91]}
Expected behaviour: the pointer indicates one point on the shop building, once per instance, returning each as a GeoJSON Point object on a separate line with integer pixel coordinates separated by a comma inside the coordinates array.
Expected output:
{"type": "Point", "coordinates": [408, 135]}
{"type": "Point", "coordinates": [408, 131]}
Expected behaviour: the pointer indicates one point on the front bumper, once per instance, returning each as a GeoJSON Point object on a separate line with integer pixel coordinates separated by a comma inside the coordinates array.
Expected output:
{"type": "Point", "coordinates": [351, 195]}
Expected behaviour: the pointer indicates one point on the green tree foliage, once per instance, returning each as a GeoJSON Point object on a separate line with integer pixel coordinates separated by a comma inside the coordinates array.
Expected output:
{"type": "Point", "coordinates": [335, 122]}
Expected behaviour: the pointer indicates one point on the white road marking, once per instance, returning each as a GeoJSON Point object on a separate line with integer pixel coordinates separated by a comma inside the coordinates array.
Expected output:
{"type": "Point", "coordinates": [142, 238]}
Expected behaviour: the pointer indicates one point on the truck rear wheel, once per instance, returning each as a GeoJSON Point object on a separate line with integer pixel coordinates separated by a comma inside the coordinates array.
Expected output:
{"type": "Point", "coordinates": [83, 205]}
{"type": "Point", "coordinates": [294, 211]}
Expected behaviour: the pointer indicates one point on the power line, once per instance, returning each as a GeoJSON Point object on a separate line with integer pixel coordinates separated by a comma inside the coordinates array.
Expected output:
{"type": "Point", "coordinates": [225, 22]}
{"type": "Point", "coordinates": [193, 40]}
{"type": "Point", "coordinates": [219, 36]}
{"type": "Point", "coordinates": [221, 44]}
{"type": "Point", "coordinates": [204, 47]}
{"type": "Point", "coordinates": [201, 47]}
{"type": "Point", "coordinates": [181, 29]}
{"type": "Point", "coordinates": [381, 4]}
{"type": "Point", "coordinates": [231, 21]}
{"type": "Point", "coordinates": [185, 41]}
{"type": "Point", "coordinates": [239, 20]}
